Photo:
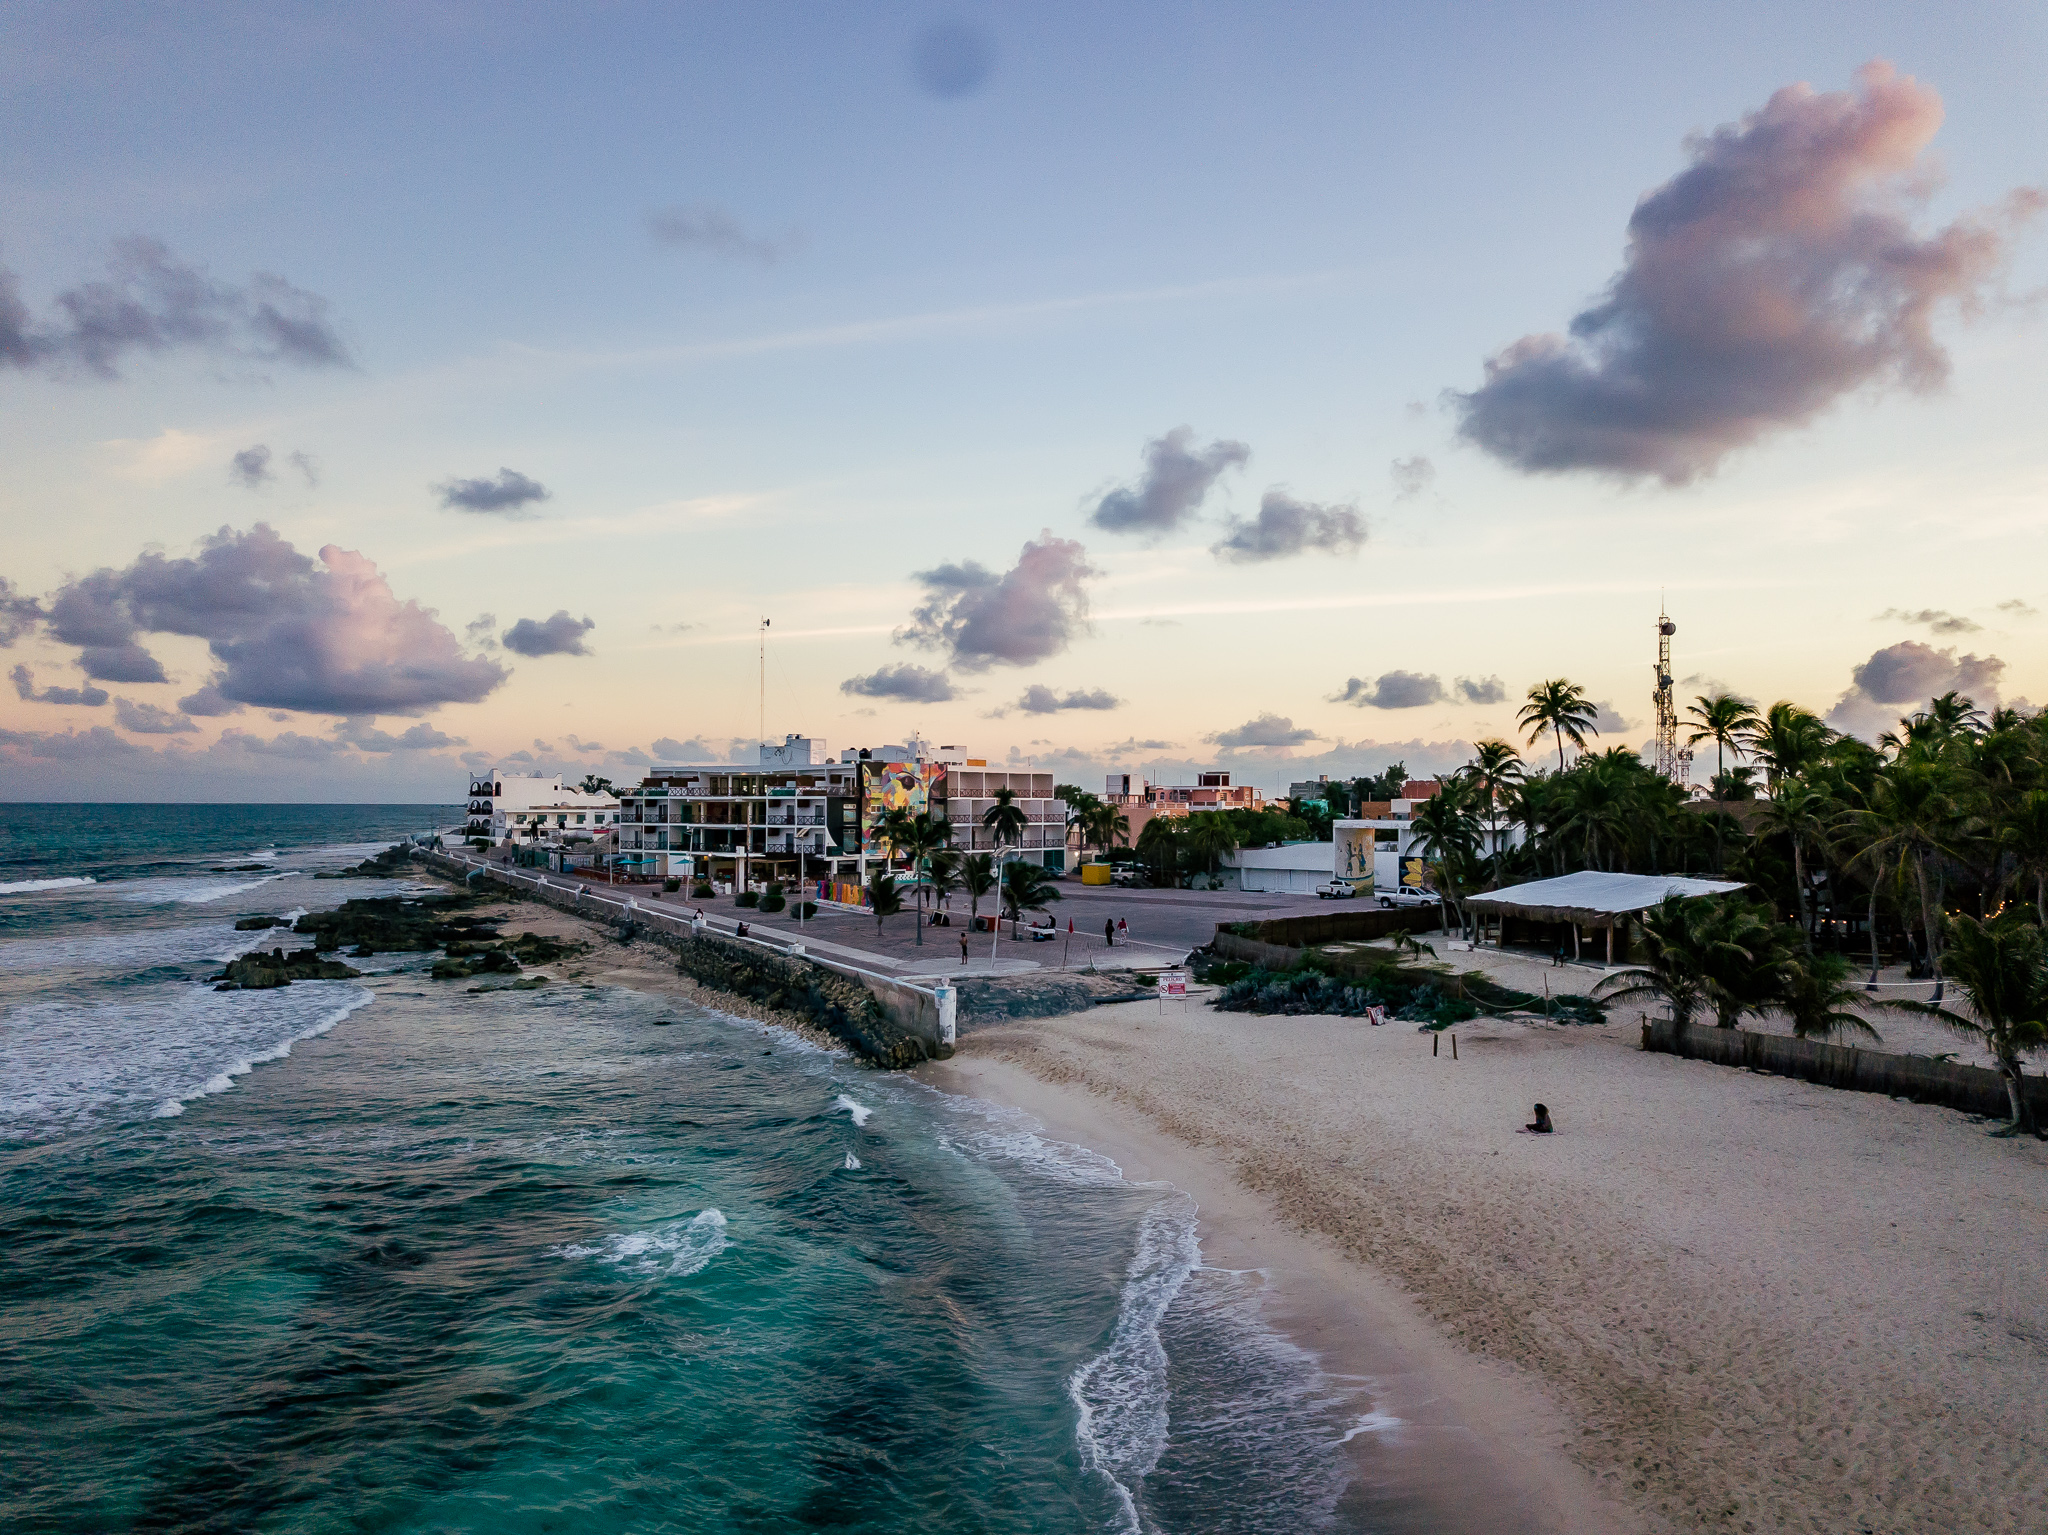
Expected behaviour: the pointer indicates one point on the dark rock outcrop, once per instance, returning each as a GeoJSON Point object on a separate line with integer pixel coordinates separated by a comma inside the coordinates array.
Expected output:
{"type": "Point", "coordinates": [264, 972]}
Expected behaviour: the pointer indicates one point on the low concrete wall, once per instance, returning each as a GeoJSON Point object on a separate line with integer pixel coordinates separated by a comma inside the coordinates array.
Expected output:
{"type": "Point", "coordinates": [1973, 1089]}
{"type": "Point", "coordinates": [890, 1022]}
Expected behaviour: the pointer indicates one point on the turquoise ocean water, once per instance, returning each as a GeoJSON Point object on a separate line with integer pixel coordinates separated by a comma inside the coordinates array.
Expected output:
{"type": "Point", "coordinates": [389, 1255]}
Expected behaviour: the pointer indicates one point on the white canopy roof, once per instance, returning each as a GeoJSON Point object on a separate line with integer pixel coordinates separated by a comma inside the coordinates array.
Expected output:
{"type": "Point", "coordinates": [1590, 896]}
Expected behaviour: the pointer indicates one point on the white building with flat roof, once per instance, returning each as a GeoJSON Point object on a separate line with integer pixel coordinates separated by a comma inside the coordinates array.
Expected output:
{"type": "Point", "coordinates": [532, 807]}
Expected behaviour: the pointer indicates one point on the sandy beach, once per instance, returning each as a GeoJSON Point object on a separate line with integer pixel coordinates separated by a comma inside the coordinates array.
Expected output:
{"type": "Point", "coordinates": [1714, 1300]}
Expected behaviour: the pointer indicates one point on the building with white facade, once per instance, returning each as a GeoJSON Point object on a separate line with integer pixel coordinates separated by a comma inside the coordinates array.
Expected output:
{"type": "Point", "coordinates": [514, 807]}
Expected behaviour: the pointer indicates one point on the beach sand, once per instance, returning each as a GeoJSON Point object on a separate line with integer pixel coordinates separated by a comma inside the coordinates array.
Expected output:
{"type": "Point", "coordinates": [1714, 1300]}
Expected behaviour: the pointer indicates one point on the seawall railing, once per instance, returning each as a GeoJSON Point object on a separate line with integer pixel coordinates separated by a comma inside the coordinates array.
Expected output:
{"type": "Point", "coordinates": [903, 1024]}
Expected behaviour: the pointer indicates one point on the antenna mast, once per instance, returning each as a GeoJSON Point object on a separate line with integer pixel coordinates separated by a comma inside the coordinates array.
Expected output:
{"type": "Point", "coordinates": [763, 721]}
{"type": "Point", "coordinates": [1673, 761]}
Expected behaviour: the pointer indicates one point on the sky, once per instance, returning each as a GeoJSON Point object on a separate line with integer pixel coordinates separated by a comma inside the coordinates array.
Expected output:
{"type": "Point", "coordinates": [392, 392]}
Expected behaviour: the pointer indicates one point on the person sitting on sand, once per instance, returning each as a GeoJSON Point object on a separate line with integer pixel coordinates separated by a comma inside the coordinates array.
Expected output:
{"type": "Point", "coordinates": [1543, 1125]}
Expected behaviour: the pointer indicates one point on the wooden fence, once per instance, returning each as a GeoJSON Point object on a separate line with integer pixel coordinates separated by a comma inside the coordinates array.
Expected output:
{"type": "Point", "coordinates": [1973, 1089]}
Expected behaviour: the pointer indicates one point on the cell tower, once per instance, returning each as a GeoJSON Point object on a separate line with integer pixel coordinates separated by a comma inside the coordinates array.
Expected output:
{"type": "Point", "coordinates": [1673, 761]}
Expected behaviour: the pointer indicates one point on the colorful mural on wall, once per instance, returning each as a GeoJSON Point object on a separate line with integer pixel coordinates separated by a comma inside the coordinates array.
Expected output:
{"type": "Point", "coordinates": [911, 787]}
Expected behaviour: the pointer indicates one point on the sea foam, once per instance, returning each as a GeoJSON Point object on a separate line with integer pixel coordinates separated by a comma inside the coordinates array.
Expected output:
{"type": "Point", "coordinates": [679, 1248]}
{"type": "Point", "coordinates": [1121, 1393]}
{"type": "Point", "coordinates": [860, 1111]}
{"type": "Point", "coordinates": [71, 1064]}
{"type": "Point", "coordinates": [22, 886]}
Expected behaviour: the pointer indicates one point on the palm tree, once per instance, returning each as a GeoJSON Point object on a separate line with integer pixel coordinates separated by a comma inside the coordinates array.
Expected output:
{"type": "Point", "coordinates": [1673, 970]}
{"type": "Point", "coordinates": [1159, 845]}
{"type": "Point", "coordinates": [917, 837]}
{"type": "Point", "coordinates": [1026, 887]}
{"type": "Point", "coordinates": [1109, 826]}
{"type": "Point", "coordinates": [1726, 719]}
{"type": "Point", "coordinates": [1005, 820]}
{"type": "Point", "coordinates": [1803, 815]}
{"type": "Point", "coordinates": [1561, 708]}
{"type": "Point", "coordinates": [1910, 820]}
{"type": "Point", "coordinates": [942, 870]}
{"type": "Point", "coordinates": [1445, 830]}
{"type": "Point", "coordinates": [1210, 834]}
{"type": "Point", "coordinates": [978, 874]}
{"type": "Point", "coordinates": [884, 899]}
{"type": "Point", "coordinates": [2000, 964]}
{"type": "Point", "coordinates": [1494, 769]}
{"type": "Point", "coordinates": [1716, 952]}
{"type": "Point", "coordinates": [1600, 807]}
{"type": "Point", "coordinates": [2023, 834]}
{"type": "Point", "coordinates": [1820, 1000]}
{"type": "Point", "coordinates": [1787, 740]}
{"type": "Point", "coordinates": [1081, 808]}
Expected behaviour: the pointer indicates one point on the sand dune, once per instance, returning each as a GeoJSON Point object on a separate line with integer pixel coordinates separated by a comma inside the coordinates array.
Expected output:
{"type": "Point", "coordinates": [1756, 1304]}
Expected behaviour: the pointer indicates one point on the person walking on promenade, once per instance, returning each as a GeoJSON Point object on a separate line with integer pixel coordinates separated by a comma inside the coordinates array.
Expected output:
{"type": "Point", "coordinates": [1108, 933]}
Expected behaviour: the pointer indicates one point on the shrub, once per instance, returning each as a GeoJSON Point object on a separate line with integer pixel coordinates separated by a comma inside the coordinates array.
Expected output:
{"type": "Point", "coordinates": [771, 902]}
{"type": "Point", "coordinates": [776, 891]}
{"type": "Point", "coordinates": [807, 910]}
{"type": "Point", "coordinates": [671, 885]}
{"type": "Point", "coordinates": [747, 898]}
{"type": "Point", "coordinates": [701, 891]}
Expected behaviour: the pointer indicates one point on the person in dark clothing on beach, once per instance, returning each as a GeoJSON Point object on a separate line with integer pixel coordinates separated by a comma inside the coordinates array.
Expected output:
{"type": "Point", "coordinates": [963, 948]}
{"type": "Point", "coordinates": [1109, 932]}
{"type": "Point", "coordinates": [1543, 1125]}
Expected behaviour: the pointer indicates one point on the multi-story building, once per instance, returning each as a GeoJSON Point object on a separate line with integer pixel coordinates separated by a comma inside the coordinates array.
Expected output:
{"type": "Point", "coordinates": [793, 816]}
{"type": "Point", "coordinates": [514, 807]}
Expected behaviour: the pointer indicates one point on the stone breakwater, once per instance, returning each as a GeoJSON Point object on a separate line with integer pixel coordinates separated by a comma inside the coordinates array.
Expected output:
{"type": "Point", "coordinates": [888, 1023]}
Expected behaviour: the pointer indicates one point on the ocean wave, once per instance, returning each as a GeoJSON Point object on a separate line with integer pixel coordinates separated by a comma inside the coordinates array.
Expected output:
{"type": "Point", "coordinates": [1059, 1160]}
{"type": "Point", "coordinates": [686, 1245]}
{"type": "Point", "coordinates": [23, 886]}
{"type": "Point", "coordinates": [860, 1111]}
{"type": "Point", "coordinates": [74, 1064]}
{"type": "Point", "coordinates": [224, 1079]}
{"type": "Point", "coordinates": [852, 1163]}
{"type": "Point", "coordinates": [190, 892]}
{"type": "Point", "coordinates": [1374, 1422]}
{"type": "Point", "coordinates": [1120, 1394]}
{"type": "Point", "coordinates": [140, 950]}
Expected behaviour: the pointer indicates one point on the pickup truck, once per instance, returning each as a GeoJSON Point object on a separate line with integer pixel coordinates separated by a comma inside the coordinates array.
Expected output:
{"type": "Point", "coordinates": [1407, 896]}
{"type": "Point", "coordinates": [1335, 890]}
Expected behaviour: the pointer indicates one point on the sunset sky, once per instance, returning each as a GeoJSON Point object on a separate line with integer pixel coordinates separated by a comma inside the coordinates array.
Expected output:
{"type": "Point", "coordinates": [393, 390]}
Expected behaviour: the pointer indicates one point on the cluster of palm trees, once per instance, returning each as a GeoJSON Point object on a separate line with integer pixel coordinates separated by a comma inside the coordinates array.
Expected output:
{"type": "Point", "coordinates": [1939, 832]}
{"type": "Point", "coordinates": [925, 843]}
{"type": "Point", "coordinates": [1188, 849]}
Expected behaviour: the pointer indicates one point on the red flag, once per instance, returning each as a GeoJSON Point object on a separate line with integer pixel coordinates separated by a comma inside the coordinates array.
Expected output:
{"type": "Point", "coordinates": [1070, 927]}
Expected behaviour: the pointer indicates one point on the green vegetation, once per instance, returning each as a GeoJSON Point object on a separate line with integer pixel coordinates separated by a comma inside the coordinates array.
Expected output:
{"type": "Point", "coordinates": [1424, 994]}
{"type": "Point", "coordinates": [747, 898]}
{"type": "Point", "coordinates": [1180, 849]}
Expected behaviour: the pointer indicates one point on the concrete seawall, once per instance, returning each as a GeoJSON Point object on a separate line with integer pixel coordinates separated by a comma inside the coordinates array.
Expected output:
{"type": "Point", "coordinates": [890, 1022]}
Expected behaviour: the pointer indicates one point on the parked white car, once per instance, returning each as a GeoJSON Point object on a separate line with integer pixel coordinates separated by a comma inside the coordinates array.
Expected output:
{"type": "Point", "coordinates": [1407, 896]}
{"type": "Point", "coordinates": [1335, 890]}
